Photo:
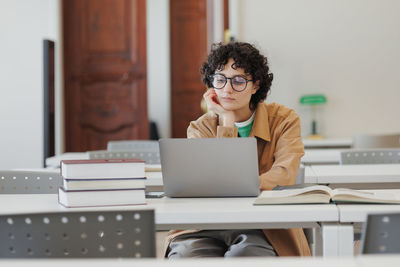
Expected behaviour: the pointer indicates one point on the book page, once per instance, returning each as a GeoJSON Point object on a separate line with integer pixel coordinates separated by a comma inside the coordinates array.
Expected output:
{"type": "Point", "coordinates": [293, 192]}
{"type": "Point", "coordinates": [351, 194]}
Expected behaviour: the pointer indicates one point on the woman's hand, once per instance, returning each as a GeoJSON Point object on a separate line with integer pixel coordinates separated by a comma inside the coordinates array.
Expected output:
{"type": "Point", "coordinates": [227, 118]}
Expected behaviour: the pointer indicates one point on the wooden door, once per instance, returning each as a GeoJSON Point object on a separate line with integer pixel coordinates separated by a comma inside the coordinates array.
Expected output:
{"type": "Point", "coordinates": [188, 20]}
{"type": "Point", "coordinates": [104, 72]}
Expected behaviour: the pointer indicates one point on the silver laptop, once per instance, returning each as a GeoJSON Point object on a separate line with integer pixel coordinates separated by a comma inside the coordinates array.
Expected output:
{"type": "Point", "coordinates": [209, 167]}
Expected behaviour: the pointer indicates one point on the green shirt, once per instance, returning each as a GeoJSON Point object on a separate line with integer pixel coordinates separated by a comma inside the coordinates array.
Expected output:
{"type": "Point", "coordinates": [244, 128]}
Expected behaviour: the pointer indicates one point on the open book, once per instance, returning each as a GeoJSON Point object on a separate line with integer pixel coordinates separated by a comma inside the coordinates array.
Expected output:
{"type": "Point", "coordinates": [324, 194]}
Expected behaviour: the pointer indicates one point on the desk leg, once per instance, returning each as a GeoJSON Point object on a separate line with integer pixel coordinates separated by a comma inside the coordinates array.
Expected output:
{"type": "Point", "coordinates": [346, 240]}
{"type": "Point", "coordinates": [333, 239]}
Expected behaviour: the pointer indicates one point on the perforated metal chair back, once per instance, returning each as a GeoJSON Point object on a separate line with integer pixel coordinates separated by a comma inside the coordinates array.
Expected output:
{"type": "Point", "coordinates": [29, 182]}
{"type": "Point", "coordinates": [133, 145]}
{"type": "Point", "coordinates": [100, 234]}
{"type": "Point", "coordinates": [381, 234]}
{"type": "Point", "coordinates": [370, 156]}
{"type": "Point", "coordinates": [301, 175]}
{"type": "Point", "coordinates": [365, 141]}
{"type": "Point", "coordinates": [147, 150]}
{"type": "Point", "coordinates": [148, 157]}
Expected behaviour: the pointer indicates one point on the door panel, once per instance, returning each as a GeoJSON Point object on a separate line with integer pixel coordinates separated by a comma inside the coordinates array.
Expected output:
{"type": "Point", "coordinates": [104, 72]}
{"type": "Point", "coordinates": [188, 50]}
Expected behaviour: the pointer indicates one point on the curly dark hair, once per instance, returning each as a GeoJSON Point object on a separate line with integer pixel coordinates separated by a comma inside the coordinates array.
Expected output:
{"type": "Point", "coordinates": [247, 57]}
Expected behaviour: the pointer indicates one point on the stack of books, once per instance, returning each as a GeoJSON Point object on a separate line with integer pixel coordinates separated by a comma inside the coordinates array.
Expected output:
{"type": "Point", "coordinates": [154, 177]}
{"type": "Point", "coordinates": [105, 182]}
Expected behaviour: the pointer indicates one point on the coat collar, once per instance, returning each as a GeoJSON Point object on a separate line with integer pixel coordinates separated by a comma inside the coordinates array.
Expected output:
{"type": "Point", "coordinates": [261, 123]}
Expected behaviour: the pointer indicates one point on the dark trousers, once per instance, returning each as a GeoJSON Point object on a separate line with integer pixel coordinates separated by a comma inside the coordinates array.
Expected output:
{"type": "Point", "coordinates": [221, 243]}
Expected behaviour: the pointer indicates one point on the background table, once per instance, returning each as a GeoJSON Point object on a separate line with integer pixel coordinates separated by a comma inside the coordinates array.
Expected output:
{"type": "Point", "coordinates": [351, 216]}
{"type": "Point", "coordinates": [353, 174]}
{"type": "Point", "coordinates": [321, 156]}
{"type": "Point", "coordinates": [328, 143]}
{"type": "Point", "coordinates": [205, 213]}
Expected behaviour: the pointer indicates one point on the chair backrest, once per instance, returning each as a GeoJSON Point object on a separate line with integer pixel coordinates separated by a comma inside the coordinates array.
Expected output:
{"type": "Point", "coordinates": [105, 234]}
{"type": "Point", "coordinates": [29, 182]}
{"type": "Point", "coordinates": [133, 145]}
{"type": "Point", "coordinates": [301, 175]}
{"type": "Point", "coordinates": [376, 141]}
{"type": "Point", "coordinates": [148, 157]}
{"type": "Point", "coordinates": [370, 156]}
{"type": "Point", "coordinates": [381, 234]}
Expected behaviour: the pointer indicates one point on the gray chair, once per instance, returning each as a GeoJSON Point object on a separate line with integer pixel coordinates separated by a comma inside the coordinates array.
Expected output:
{"type": "Point", "coordinates": [29, 182]}
{"type": "Point", "coordinates": [300, 175]}
{"type": "Point", "coordinates": [147, 150]}
{"type": "Point", "coordinates": [133, 145]}
{"type": "Point", "coordinates": [381, 234]}
{"type": "Point", "coordinates": [100, 234]}
{"type": "Point", "coordinates": [147, 156]}
{"type": "Point", "coordinates": [370, 156]}
{"type": "Point", "coordinates": [365, 141]}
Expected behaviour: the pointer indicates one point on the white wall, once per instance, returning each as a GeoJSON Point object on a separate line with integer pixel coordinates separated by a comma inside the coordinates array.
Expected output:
{"type": "Point", "coordinates": [158, 65]}
{"type": "Point", "coordinates": [215, 20]}
{"type": "Point", "coordinates": [23, 26]}
{"type": "Point", "coordinates": [345, 49]}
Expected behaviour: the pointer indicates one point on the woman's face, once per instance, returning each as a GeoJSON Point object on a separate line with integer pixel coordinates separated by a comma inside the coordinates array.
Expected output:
{"type": "Point", "coordinates": [229, 98]}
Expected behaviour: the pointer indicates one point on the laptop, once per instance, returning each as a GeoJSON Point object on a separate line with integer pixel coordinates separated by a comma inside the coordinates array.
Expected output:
{"type": "Point", "coordinates": [209, 167]}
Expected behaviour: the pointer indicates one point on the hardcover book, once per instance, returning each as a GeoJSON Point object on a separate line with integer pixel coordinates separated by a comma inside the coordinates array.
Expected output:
{"type": "Point", "coordinates": [98, 184]}
{"type": "Point", "coordinates": [105, 168]}
{"type": "Point", "coordinates": [92, 198]}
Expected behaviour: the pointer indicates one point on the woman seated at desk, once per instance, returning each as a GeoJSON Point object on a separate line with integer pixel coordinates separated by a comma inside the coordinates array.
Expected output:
{"type": "Point", "coordinates": [238, 81]}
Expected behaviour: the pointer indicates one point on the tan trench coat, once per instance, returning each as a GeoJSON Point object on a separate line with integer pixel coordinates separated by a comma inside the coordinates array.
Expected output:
{"type": "Point", "coordinates": [280, 147]}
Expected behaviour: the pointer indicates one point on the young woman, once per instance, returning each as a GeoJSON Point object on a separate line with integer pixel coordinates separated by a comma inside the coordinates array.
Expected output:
{"type": "Point", "coordinates": [238, 79]}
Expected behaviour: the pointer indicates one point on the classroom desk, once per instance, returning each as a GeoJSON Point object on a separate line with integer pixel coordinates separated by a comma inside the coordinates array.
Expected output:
{"type": "Point", "coordinates": [347, 174]}
{"type": "Point", "coordinates": [328, 143]}
{"type": "Point", "coordinates": [321, 156]}
{"type": "Point", "coordinates": [206, 213]}
{"type": "Point", "coordinates": [236, 213]}
{"type": "Point", "coordinates": [192, 213]}
{"type": "Point", "coordinates": [325, 151]}
{"type": "Point", "coordinates": [364, 261]}
{"type": "Point", "coordinates": [311, 157]}
{"type": "Point", "coordinates": [351, 215]}
{"type": "Point", "coordinates": [54, 162]}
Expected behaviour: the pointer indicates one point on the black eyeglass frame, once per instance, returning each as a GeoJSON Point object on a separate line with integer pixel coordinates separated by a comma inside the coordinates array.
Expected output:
{"type": "Point", "coordinates": [226, 80]}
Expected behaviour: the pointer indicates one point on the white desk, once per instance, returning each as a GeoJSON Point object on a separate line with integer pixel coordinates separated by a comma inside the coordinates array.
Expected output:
{"type": "Point", "coordinates": [358, 173]}
{"type": "Point", "coordinates": [311, 156]}
{"type": "Point", "coordinates": [321, 156]}
{"type": "Point", "coordinates": [235, 213]}
{"type": "Point", "coordinates": [364, 261]}
{"type": "Point", "coordinates": [328, 143]}
{"type": "Point", "coordinates": [378, 260]}
{"type": "Point", "coordinates": [205, 213]}
{"type": "Point", "coordinates": [351, 214]}
{"type": "Point", "coordinates": [358, 213]}
{"type": "Point", "coordinates": [192, 213]}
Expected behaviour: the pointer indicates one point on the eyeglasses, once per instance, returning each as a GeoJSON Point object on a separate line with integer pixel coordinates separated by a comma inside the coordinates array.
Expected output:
{"type": "Point", "coordinates": [238, 83]}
